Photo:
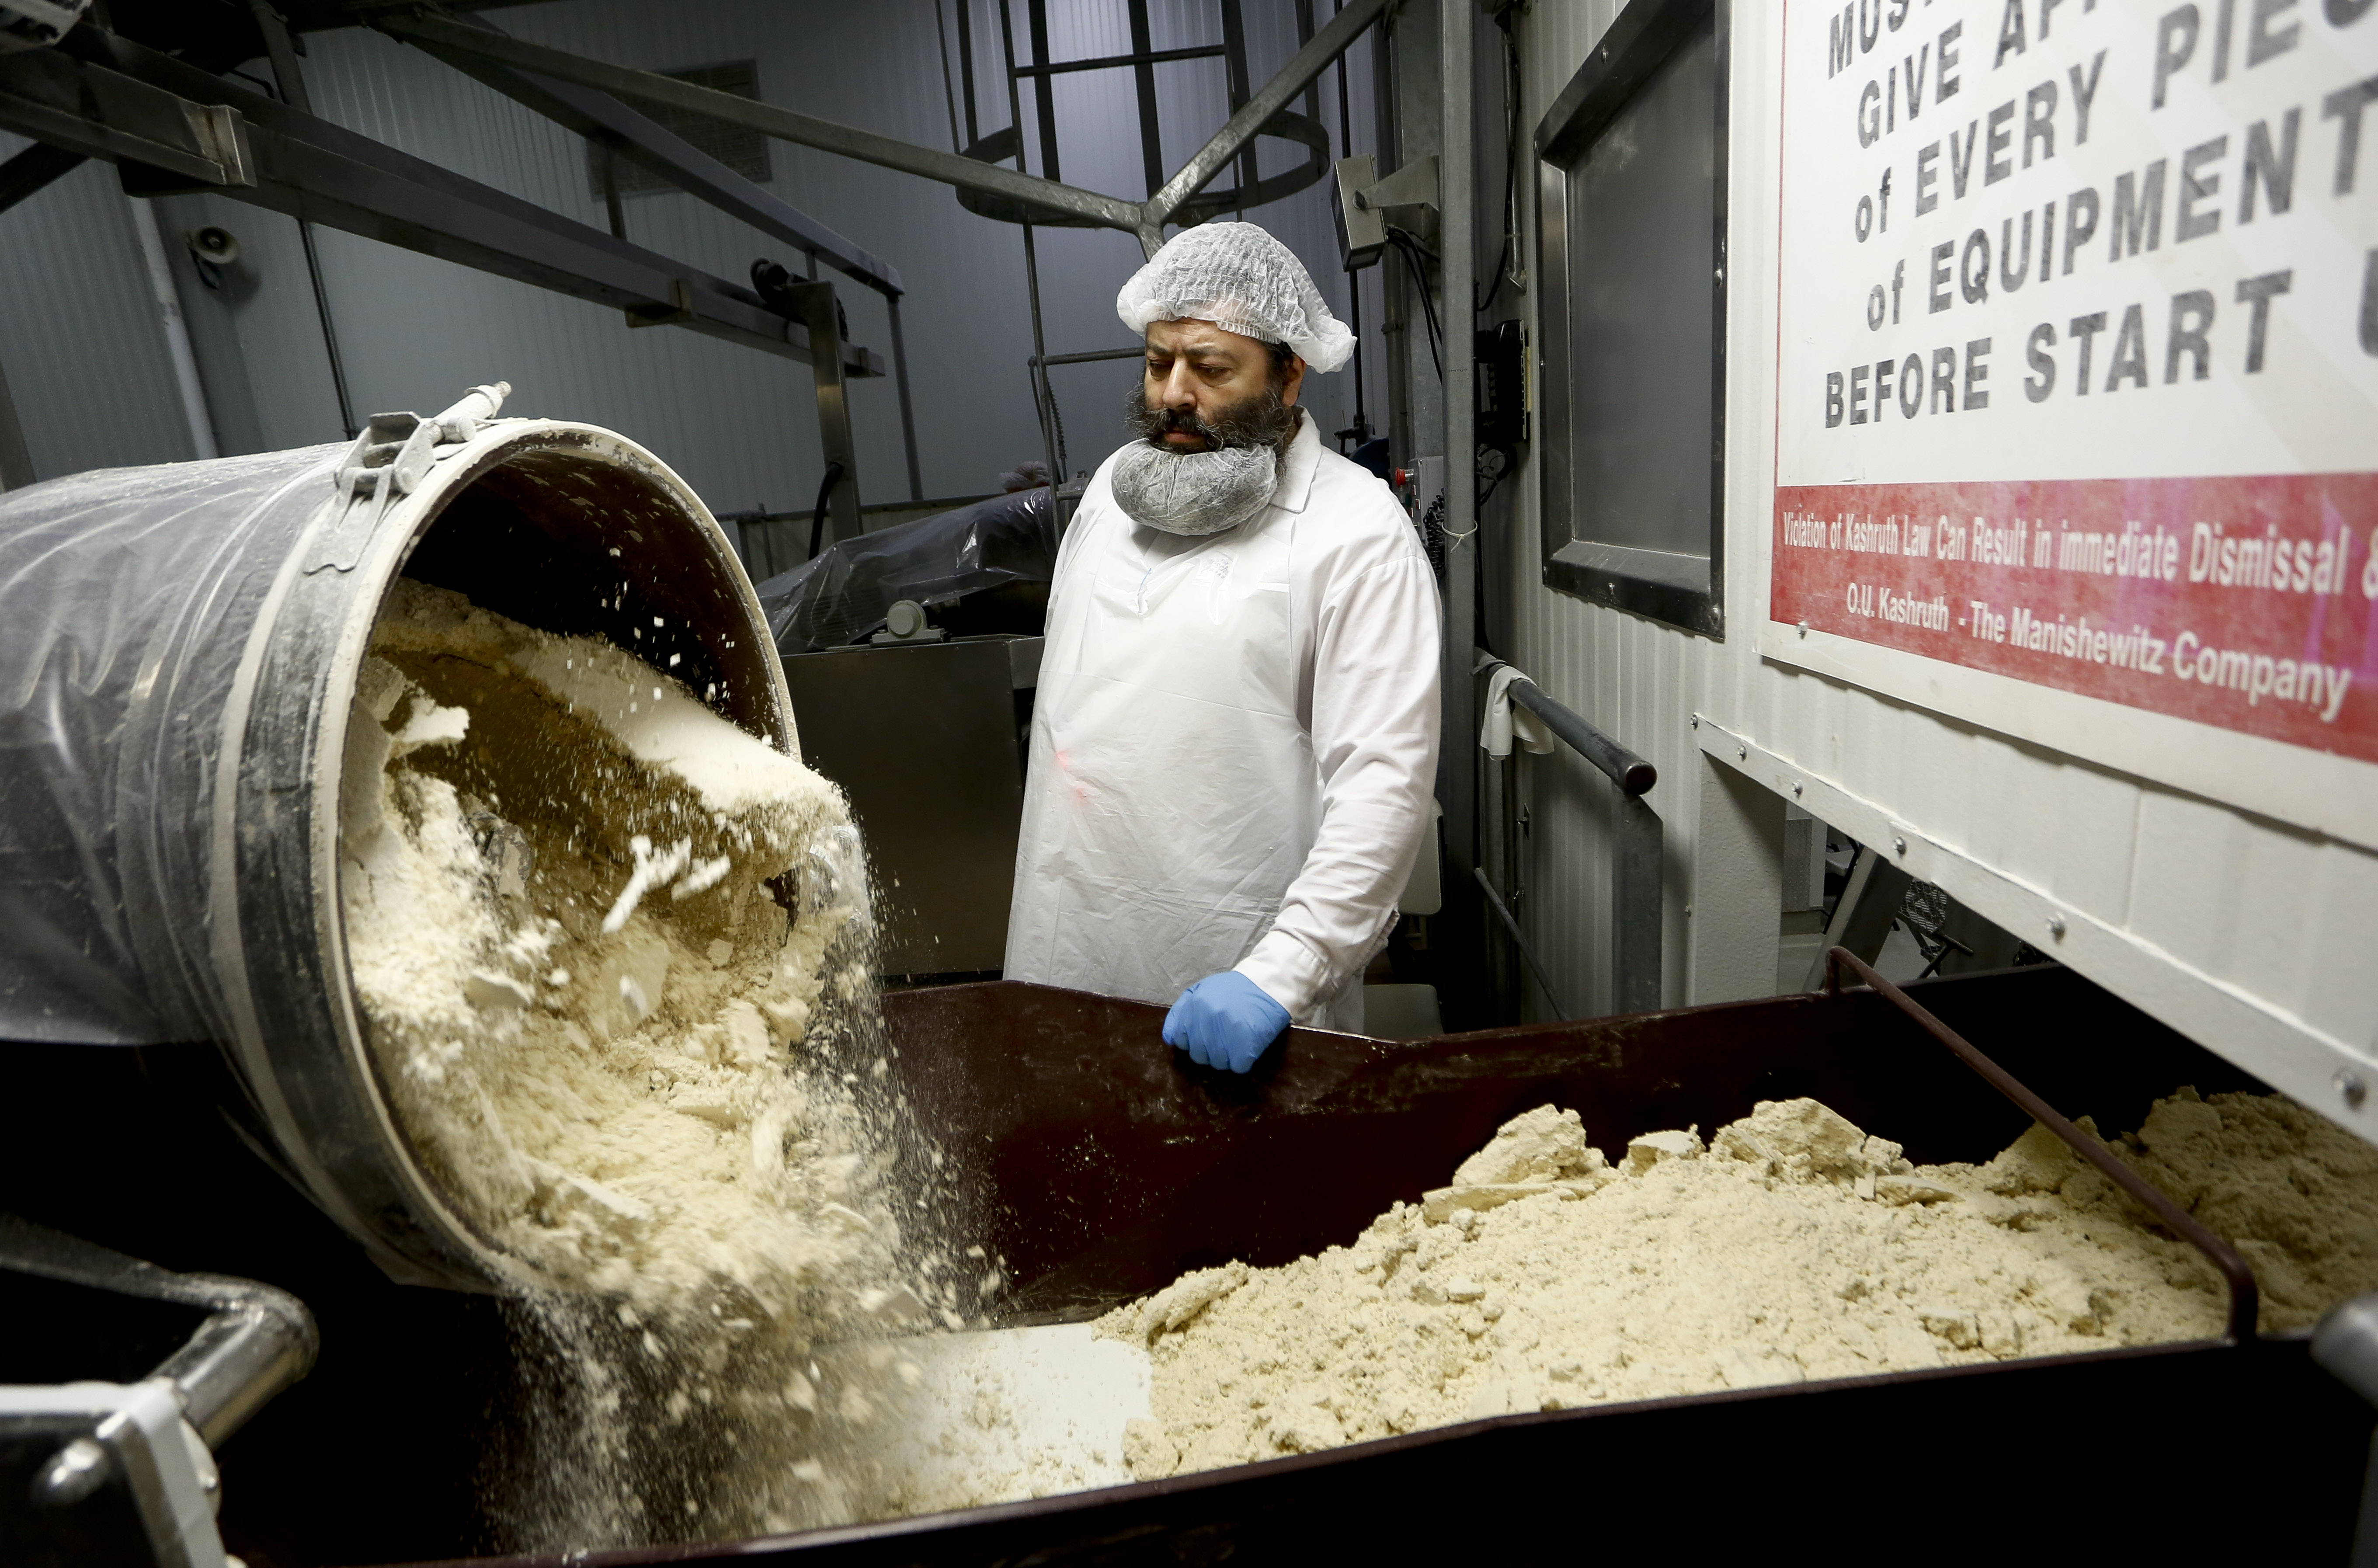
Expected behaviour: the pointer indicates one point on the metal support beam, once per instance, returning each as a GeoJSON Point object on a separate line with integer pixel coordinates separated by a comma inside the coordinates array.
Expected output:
{"type": "Point", "coordinates": [291, 82]}
{"type": "Point", "coordinates": [100, 114]}
{"type": "Point", "coordinates": [1238, 89]}
{"type": "Point", "coordinates": [1044, 96]}
{"type": "Point", "coordinates": [1458, 774]}
{"type": "Point", "coordinates": [1861, 921]}
{"type": "Point", "coordinates": [1143, 81]}
{"type": "Point", "coordinates": [33, 170]}
{"type": "Point", "coordinates": [313, 169]}
{"type": "Point", "coordinates": [636, 137]}
{"type": "Point", "coordinates": [1638, 855]}
{"type": "Point", "coordinates": [1060, 202]}
{"type": "Point", "coordinates": [823, 318]}
{"type": "Point", "coordinates": [784, 124]}
{"type": "Point", "coordinates": [907, 410]}
{"type": "Point", "coordinates": [1248, 123]}
{"type": "Point", "coordinates": [1520, 939]}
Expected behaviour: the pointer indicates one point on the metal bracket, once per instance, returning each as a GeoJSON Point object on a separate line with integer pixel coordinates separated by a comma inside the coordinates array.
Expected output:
{"type": "Point", "coordinates": [390, 458]}
{"type": "Point", "coordinates": [679, 308]}
{"type": "Point", "coordinates": [1407, 198]}
{"type": "Point", "coordinates": [104, 114]}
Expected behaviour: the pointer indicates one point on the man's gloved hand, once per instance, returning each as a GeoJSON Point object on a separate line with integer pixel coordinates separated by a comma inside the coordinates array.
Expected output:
{"type": "Point", "coordinates": [1224, 1020]}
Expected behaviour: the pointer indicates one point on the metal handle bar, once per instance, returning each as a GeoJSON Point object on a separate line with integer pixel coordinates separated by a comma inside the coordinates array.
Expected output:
{"type": "Point", "coordinates": [2244, 1298]}
{"type": "Point", "coordinates": [1629, 772]}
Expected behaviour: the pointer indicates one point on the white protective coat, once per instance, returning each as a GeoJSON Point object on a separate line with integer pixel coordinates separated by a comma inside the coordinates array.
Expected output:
{"type": "Point", "coordinates": [1233, 749]}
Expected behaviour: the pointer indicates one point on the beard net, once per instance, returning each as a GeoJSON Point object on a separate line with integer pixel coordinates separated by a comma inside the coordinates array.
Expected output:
{"type": "Point", "coordinates": [1199, 493]}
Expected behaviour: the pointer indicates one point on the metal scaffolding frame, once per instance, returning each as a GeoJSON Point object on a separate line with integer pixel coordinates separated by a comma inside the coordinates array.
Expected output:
{"type": "Point", "coordinates": [171, 126]}
{"type": "Point", "coordinates": [1050, 201]}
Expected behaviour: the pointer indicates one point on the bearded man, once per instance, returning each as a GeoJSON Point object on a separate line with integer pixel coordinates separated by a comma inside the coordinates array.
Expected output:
{"type": "Point", "coordinates": [1235, 739]}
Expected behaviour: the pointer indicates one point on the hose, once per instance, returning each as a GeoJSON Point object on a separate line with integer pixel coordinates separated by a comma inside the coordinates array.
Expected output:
{"type": "Point", "coordinates": [817, 515]}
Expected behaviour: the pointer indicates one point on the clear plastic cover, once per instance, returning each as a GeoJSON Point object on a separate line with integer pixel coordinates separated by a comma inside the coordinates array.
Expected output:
{"type": "Point", "coordinates": [842, 596]}
{"type": "Point", "coordinates": [128, 598]}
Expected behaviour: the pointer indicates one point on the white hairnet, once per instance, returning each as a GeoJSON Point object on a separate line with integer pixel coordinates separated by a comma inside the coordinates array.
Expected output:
{"type": "Point", "coordinates": [1242, 280]}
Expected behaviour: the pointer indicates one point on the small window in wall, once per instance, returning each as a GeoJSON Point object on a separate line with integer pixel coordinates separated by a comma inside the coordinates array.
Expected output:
{"type": "Point", "coordinates": [1631, 235]}
{"type": "Point", "coordinates": [745, 151]}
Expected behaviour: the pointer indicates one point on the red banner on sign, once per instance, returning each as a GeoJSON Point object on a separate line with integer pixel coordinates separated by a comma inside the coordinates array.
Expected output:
{"type": "Point", "coordinates": [2244, 603]}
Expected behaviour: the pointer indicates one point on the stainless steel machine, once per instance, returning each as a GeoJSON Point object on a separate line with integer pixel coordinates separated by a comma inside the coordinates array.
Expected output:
{"type": "Point", "coordinates": [927, 739]}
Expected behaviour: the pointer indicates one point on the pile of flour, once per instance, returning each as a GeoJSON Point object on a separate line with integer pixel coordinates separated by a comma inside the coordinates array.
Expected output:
{"type": "Point", "coordinates": [610, 954]}
{"type": "Point", "coordinates": [1792, 1247]}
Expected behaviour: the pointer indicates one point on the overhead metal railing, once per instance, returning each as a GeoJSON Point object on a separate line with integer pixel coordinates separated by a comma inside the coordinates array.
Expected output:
{"type": "Point", "coordinates": [1637, 849]}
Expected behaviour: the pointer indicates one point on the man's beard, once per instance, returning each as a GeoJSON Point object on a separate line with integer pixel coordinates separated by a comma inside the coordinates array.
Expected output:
{"type": "Point", "coordinates": [1201, 492]}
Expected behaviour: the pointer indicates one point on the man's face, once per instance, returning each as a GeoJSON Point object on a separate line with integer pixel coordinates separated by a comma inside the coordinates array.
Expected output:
{"type": "Point", "coordinates": [1197, 376]}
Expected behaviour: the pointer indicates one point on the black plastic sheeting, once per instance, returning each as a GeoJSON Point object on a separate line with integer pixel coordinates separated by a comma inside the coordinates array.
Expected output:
{"type": "Point", "coordinates": [842, 595]}
{"type": "Point", "coordinates": [128, 598]}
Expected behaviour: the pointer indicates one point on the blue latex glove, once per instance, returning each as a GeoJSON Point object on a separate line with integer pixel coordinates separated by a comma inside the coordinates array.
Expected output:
{"type": "Point", "coordinates": [1224, 1020]}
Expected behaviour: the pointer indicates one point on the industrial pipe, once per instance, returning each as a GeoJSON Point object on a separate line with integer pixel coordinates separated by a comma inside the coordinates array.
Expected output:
{"type": "Point", "coordinates": [195, 413]}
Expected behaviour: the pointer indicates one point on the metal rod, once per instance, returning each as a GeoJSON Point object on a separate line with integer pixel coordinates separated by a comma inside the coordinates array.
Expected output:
{"type": "Point", "coordinates": [1244, 125]}
{"type": "Point", "coordinates": [612, 211]}
{"type": "Point", "coordinates": [330, 329]}
{"type": "Point", "coordinates": [965, 67]}
{"type": "Point", "coordinates": [1143, 75]}
{"type": "Point", "coordinates": [949, 98]}
{"type": "Point", "coordinates": [1040, 374]}
{"type": "Point", "coordinates": [1234, 75]}
{"type": "Point", "coordinates": [1353, 277]}
{"type": "Point", "coordinates": [1087, 358]}
{"type": "Point", "coordinates": [837, 443]}
{"type": "Point", "coordinates": [1044, 100]}
{"type": "Point", "coordinates": [291, 83]}
{"type": "Point", "coordinates": [308, 167]}
{"type": "Point", "coordinates": [196, 417]}
{"type": "Point", "coordinates": [1304, 37]}
{"type": "Point", "coordinates": [768, 119]}
{"type": "Point", "coordinates": [908, 411]}
{"type": "Point", "coordinates": [1637, 905]}
{"type": "Point", "coordinates": [1457, 785]}
{"type": "Point", "coordinates": [256, 1341]}
{"type": "Point", "coordinates": [1622, 767]}
{"type": "Point", "coordinates": [16, 458]}
{"type": "Point", "coordinates": [653, 147]}
{"type": "Point", "coordinates": [1535, 968]}
{"type": "Point", "coordinates": [1138, 56]}
{"type": "Point", "coordinates": [1031, 275]}
{"type": "Point", "coordinates": [2244, 1298]}
{"type": "Point", "coordinates": [33, 170]}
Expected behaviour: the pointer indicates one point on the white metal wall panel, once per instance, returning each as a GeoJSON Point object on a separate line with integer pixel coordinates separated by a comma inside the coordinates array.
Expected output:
{"type": "Point", "coordinates": [79, 338]}
{"type": "Point", "coordinates": [2247, 935]}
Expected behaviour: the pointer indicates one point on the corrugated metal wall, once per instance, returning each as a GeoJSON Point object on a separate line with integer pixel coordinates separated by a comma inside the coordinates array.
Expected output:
{"type": "Point", "coordinates": [2241, 932]}
{"type": "Point", "coordinates": [79, 340]}
{"type": "Point", "coordinates": [91, 372]}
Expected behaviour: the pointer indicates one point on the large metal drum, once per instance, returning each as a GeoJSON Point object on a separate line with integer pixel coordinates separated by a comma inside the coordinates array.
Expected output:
{"type": "Point", "coordinates": [178, 651]}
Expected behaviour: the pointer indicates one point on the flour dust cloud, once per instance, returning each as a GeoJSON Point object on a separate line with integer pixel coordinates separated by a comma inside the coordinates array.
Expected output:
{"type": "Point", "coordinates": [612, 953]}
